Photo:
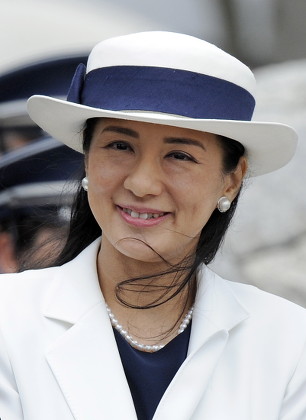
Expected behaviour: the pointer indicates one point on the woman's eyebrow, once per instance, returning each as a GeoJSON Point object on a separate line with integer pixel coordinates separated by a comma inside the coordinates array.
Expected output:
{"type": "Point", "coordinates": [184, 140]}
{"type": "Point", "coordinates": [121, 130]}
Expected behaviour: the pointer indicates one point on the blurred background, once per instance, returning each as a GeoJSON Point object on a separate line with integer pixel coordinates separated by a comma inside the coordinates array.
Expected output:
{"type": "Point", "coordinates": [42, 40]}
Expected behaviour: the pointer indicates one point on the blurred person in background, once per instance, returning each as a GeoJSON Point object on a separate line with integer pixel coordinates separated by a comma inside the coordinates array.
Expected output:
{"type": "Point", "coordinates": [29, 209]}
{"type": "Point", "coordinates": [129, 322]}
{"type": "Point", "coordinates": [14, 137]}
{"type": "Point", "coordinates": [35, 198]}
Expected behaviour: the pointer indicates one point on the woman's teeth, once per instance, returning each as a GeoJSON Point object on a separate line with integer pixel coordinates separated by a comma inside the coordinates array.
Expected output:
{"type": "Point", "coordinates": [137, 215]}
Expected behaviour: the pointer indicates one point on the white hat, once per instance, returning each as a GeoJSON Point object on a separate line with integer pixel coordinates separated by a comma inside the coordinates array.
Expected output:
{"type": "Point", "coordinates": [171, 79]}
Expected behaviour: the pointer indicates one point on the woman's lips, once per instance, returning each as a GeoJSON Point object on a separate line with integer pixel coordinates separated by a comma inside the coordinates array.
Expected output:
{"type": "Point", "coordinates": [142, 217]}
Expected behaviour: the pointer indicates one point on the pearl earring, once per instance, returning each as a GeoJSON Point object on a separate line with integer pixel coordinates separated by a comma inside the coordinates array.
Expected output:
{"type": "Point", "coordinates": [85, 183]}
{"type": "Point", "coordinates": [223, 204]}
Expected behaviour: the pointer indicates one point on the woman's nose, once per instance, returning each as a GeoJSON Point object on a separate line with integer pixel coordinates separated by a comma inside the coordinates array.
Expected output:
{"type": "Point", "coordinates": [144, 179]}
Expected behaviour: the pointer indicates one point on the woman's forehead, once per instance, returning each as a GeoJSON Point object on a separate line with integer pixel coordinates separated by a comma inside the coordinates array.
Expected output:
{"type": "Point", "coordinates": [137, 129]}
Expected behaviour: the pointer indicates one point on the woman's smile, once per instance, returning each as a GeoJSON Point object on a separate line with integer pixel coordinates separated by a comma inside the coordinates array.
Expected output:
{"type": "Point", "coordinates": [142, 217]}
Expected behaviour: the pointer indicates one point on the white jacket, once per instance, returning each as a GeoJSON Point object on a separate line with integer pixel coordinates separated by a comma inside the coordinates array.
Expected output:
{"type": "Point", "coordinates": [59, 359]}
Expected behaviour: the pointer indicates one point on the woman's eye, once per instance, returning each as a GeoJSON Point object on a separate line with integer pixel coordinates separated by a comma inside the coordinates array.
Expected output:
{"type": "Point", "coordinates": [181, 156]}
{"type": "Point", "coordinates": [119, 145]}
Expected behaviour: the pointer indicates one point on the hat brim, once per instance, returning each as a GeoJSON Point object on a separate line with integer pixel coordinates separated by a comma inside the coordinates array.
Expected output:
{"type": "Point", "coordinates": [269, 145]}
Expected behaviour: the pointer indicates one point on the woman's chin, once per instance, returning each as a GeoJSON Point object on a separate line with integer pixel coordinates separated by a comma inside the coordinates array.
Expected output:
{"type": "Point", "coordinates": [151, 253]}
{"type": "Point", "coordinates": [139, 250]}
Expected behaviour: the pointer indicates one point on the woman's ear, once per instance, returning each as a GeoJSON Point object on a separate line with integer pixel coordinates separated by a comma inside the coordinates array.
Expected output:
{"type": "Point", "coordinates": [234, 179]}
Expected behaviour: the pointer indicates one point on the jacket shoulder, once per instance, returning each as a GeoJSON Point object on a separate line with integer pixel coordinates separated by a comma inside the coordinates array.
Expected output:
{"type": "Point", "coordinates": [269, 313]}
{"type": "Point", "coordinates": [258, 299]}
{"type": "Point", "coordinates": [11, 282]}
{"type": "Point", "coordinates": [23, 292]}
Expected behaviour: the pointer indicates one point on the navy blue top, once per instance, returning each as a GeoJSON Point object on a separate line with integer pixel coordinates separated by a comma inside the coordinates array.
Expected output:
{"type": "Point", "coordinates": [149, 374]}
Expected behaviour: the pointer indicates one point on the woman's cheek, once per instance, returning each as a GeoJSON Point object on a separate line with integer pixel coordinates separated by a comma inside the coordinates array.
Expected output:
{"type": "Point", "coordinates": [105, 176]}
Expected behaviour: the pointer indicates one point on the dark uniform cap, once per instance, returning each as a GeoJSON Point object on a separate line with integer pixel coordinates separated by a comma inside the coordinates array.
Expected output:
{"type": "Point", "coordinates": [49, 77]}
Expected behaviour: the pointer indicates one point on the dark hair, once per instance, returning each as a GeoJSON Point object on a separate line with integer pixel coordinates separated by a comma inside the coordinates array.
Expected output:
{"type": "Point", "coordinates": [83, 225]}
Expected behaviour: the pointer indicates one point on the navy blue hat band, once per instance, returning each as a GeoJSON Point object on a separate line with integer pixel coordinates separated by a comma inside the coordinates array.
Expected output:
{"type": "Point", "coordinates": [178, 92]}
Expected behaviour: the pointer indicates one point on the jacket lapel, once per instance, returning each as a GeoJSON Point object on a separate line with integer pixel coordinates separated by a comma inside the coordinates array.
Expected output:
{"type": "Point", "coordinates": [216, 312]}
{"type": "Point", "coordinates": [84, 359]}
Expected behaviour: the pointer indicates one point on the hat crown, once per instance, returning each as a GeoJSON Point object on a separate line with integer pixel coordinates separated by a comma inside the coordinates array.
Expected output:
{"type": "Point", "coordinates": [174, 51]}
{"type": "Point", "coordinates": [167, 78]}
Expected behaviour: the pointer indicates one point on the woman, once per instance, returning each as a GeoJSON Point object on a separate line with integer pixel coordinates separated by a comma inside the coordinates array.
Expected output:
{"type": "Point", "coordinates": [133, 324]}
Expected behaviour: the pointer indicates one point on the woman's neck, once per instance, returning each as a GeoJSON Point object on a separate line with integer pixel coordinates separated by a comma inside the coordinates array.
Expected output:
{"type": "Point", "coordinates": [153, 323]}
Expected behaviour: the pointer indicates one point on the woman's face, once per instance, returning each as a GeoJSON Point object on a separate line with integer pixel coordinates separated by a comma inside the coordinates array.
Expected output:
{"type": "Point", "coordinates": [154, 187]}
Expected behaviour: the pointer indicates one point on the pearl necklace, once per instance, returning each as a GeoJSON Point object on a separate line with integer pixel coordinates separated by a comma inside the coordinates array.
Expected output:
{"type": "Point", "coordinates": [145, 347]}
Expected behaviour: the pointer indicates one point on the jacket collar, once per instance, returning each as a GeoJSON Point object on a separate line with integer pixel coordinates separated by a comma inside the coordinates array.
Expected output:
{"type": "Point", "coordinates": [216, 308]}
{"type": "Point", "coordinates": [85, 359]}
{"type": "Point", "coordinates": [72, 295]}
{"type": "Point", "coordinates": [75, 288]}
